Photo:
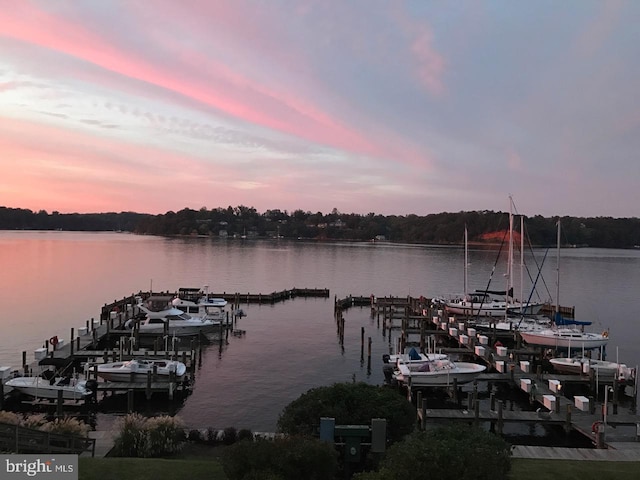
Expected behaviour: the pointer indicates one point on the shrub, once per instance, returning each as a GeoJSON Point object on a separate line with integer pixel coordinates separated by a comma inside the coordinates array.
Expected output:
{"type": "Point", "coordinates": [245, 434]}
{"type": "Point", "coordinates": [36, 420]}
{"type": "Point", "coordinates": [166, 435]}
{"type": "Point", "coordinates": [287, 458]}
{"type": "Point", "coordinates": [195, 436]}
{"type": "Point", "coordinates": [10, 418]}
{"type": "Point", "coordinates": [212, 435]}
{"type": "Point", "coordinates": [148, 437]}
{"type": "Point", "coordinates": [132, 439]}
{"type": "Point", "coordinates": [66, 426]}
{"type": "Point", "coordinates": [349, 404]}
{"type": "Point", "coordinates": [229, 436]}
{"type": "Point", "coordinates": [458, 452]}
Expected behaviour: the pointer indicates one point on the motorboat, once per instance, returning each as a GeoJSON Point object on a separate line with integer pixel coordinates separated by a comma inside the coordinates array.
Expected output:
{"type": "Point", "coordinates": [602, 368]}
{"type": "Point", "coordinates": [437, 373]}
{"type": "Point", "coordinates": [201, 304]}
{"type": "Point", "coordinates": [137, 370]}
{"type": "Point", "coordinates": [565, 338]}
{"type": "Point", "coordinates": [48, 386]}
{"type": "Point", "coordinates": [413, 356]}
{"type": "Point", "coordinates": [161, 317]}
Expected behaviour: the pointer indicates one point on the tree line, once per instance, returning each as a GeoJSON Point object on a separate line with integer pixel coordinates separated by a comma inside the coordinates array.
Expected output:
{"type": "Point", "coordinates": [241, 221]}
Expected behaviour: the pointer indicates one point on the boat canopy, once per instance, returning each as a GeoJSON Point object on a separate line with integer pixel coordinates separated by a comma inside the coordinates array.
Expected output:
{"type": "Point", "coordinates": [560, 320]}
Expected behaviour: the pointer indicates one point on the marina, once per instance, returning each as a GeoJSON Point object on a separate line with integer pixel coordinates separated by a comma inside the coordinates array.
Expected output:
{"type": "Point", "coordinates": [247, 357]}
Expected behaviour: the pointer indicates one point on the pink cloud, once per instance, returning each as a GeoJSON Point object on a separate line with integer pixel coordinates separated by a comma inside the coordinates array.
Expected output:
{"type": "Point", "coordinates": [199, 78]}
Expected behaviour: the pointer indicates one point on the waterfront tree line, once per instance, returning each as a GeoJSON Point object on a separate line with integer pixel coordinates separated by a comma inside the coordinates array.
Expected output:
{"type": "Point", "coordinates": [246, 222]}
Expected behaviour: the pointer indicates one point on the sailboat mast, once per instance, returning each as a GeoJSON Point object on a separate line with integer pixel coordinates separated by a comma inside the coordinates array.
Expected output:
{"type": "Point", "coordinates": [466, 259]}
{"type": "Point", "coordinates": [521, 263]}
{"type": "Point", "coordinates": [558, 273]}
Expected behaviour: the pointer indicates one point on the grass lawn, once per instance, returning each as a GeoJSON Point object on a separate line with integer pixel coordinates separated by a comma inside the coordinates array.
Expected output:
{"type": "Point", "coordinates": [202, 462]}
{"type": "Point", "coordinates": [529, 469]}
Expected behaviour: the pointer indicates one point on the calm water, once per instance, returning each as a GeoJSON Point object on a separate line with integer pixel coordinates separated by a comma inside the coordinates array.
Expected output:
{"type": "Point", "coordinates": [53, 281]}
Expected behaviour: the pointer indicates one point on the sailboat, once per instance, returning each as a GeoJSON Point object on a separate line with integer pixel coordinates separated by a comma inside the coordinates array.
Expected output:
{"type": "Point", "coordinates": [565, 337]}
{"type": "Point", "coordinates": [483, 303]}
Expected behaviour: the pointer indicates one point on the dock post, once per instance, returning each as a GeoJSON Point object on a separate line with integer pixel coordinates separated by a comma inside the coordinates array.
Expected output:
{"type": "Point", "coordinates": [130, 401]}
{"type": "Point", "coordinates": [476, 405]}
{"type": "Point", "coordinates": [1, 395]}
{"type": "Point", "coordinates": [567, 425]}
{"type": "Point", "coordinates": [149, 375]}
{"type": "Point", "coordinates": [500, 419]}
{"type": "Point", "coordinates": [456, 393]}
{"type": "Point", "coordinates": [615, 398]}
{"type": "Point", "coordinates": [361, 344]}
{"type": "Point", "coordinates": [25, 367]}
{"type": "Point", "coordinates": [492, 401]}
{"type": "Point", "coordinates": [71, 339]}
{"type": "Point", "coordinates": [419, 408]}
{"type": "Point", "coordinates": [59, 403]}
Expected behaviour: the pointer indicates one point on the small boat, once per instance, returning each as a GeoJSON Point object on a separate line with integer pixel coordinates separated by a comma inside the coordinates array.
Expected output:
{"type": "Point", "coordinates": [161, 317]}
{"type": "Point", "coordinates": [437, 373]}
{"type": "Point", "coordinates": [412, 357]}
{"type": "Point", "coordinates": [565, 338]}
{"type": "Point", "coordinates": [48, 388]}
{"type": "Point", "coordinates": [137, 370]}
{"type": "Point", "coordinates": [201, 304]}
{"type": "Point", "coordinates": [602, 368]}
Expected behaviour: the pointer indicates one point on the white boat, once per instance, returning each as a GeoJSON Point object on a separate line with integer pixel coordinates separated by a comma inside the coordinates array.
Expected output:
{"type": "Point", "coordinates": [483, 304]}
{"type": "Point", "coordinates": [137, 370]}
{"type": "Point", "coordinates": [48, 388]}
{"type": "Point", "coordinates": [161, 317]}
{"type": "Point", "coordinates": [602, 368]}
{"type": "Point", "coordinates": [412, 357]}
{"type": "Point", "coordinates": [565, 338]}
{"type": "Point", "coordinates": [489, 303]}
{"type": "Point", "coordinates": [437, 373]}
{"type": "Point", "coordinates": [199, 303]}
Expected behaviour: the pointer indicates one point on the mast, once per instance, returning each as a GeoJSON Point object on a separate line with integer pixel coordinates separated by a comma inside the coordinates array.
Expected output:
{"type": "Point", "coordinates": [558, 273]}
{"type": "Point", "coordinates": [521, 264]}
{"type": "Point", "coordinates": [466, 259]}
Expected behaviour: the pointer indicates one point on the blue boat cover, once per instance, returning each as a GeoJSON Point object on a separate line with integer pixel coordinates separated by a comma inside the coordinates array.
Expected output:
{"type": "Point", "coordinates": [413, 354]}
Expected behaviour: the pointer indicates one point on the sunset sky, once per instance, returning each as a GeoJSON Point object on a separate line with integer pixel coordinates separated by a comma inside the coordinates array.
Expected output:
{"type": "Point", "coordinates": [392, 107]}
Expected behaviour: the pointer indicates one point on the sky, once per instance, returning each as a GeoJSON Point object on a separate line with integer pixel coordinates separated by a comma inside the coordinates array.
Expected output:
{"type": "Point", "coordinates": [389, 107]}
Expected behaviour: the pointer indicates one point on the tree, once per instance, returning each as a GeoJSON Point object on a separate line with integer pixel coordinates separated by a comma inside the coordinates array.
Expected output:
{"type": "Point", "coordinates": [456, 452]}
{"type": "Point", "coordinates": [349, 404]}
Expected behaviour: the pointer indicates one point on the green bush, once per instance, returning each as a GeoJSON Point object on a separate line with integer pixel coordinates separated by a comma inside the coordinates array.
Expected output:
{"type": "Point", "coordinates": [229, 436]}
{"type": "Point", "coordinates": [287, 458]}
{"type": "Point", "coordinates": [457, 452]}
{"type": "Point", "coordinates": [245, 434]}
{"type": "Point", "coordinates": [349, 404]}
{"type": "Point", "coordinates": [148, 437]}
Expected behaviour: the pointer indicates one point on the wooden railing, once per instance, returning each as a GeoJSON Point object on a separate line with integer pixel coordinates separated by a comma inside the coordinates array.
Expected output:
{"type": "Point", "coordinates": [16, 439]}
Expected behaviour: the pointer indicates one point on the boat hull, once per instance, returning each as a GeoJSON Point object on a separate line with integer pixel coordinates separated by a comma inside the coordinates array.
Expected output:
{"type": "Point", "coordinates": [41, 388]}
{"type": "Point", "coordinates": [462, 373]}
{"type": "Point", "coordinates": [568, 341]}
{"type": "Point", "coordinates": [603, 369]}
{"type": "Point", "coordinates": [138, 371]}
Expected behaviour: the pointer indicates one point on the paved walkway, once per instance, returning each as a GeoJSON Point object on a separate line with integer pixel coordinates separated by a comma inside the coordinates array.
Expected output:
{"type": "Point", "coordinates": [104, 443]}
{"type": "Point", "coordinates": [630, 453]}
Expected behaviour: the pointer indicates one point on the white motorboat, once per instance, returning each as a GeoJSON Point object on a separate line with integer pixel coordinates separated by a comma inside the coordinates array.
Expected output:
{"type": "Point", "coordinates": [199, 303]}
{"type": "Point", "coordinates": [137, 370]}
{"type": "Point", "coordinates": [602, 368]}
{"type": "Point", "coordinates": [565, 338]}
{"type": "Point", "coordinates": [437, 373]}
{"type": "Point", "coordinates": [48, 388]}
{"type": "Point", "coordinates": [161, 317]}
{"type": "Point", "coordinates": [412, 357]}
